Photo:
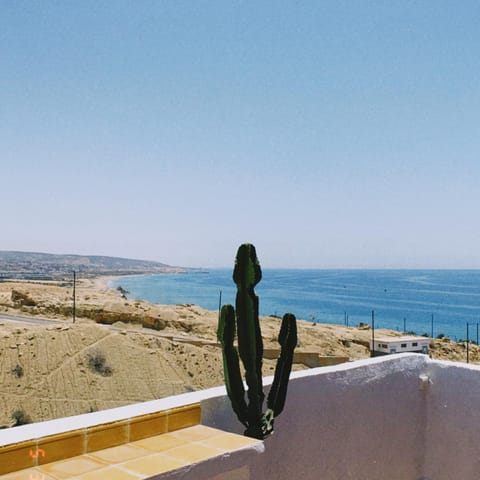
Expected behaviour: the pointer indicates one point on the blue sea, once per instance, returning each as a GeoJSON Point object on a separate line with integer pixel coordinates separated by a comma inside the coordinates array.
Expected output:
{"type": "Point", "coordinates": [401, 299]}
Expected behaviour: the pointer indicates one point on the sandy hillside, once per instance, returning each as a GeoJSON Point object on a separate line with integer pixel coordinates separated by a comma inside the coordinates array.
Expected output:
{"type": "Point", "coordinates": [138, 351]}
{"type": "Point", "coordinates": [56, 371]}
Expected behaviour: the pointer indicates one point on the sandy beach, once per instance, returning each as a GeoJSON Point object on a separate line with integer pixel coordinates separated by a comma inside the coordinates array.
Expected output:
{"type": "Point", "coordinates": [121, 351]}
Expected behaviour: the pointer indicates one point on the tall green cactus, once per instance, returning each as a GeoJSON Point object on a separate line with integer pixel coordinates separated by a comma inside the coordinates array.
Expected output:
{"type": "Point", "coordinates": [244, 321]}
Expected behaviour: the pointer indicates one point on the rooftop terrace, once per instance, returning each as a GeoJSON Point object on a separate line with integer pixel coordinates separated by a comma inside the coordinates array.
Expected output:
{"type": "Point", "coordinates": [402, 417]}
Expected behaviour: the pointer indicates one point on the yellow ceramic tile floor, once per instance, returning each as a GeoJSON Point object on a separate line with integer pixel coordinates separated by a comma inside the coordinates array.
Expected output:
{"type": "Point", "coordinates": [140, 459]}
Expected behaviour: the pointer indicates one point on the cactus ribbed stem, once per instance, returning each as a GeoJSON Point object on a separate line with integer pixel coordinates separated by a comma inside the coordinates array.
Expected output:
{"type": "Point", "coordinates": [244, 319]}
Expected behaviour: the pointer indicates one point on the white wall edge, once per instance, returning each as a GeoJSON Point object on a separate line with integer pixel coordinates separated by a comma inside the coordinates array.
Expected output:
{"type": "Point", "coordinates": [77, 422]}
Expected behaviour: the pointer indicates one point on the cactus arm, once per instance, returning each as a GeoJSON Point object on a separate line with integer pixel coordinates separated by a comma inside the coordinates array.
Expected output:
{"type": "Point", "coordinates": [246, 275]}
{"type": "Point", "coordinates": [231, 366]}
{"type": "Point", "coordinates": [287, 338]}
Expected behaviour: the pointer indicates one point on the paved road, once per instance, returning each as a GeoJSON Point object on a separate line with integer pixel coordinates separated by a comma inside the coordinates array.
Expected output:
{"type": "Point", "coordinates": [7, 317]}
{"type": "Point", "coordinates": [176, 337]}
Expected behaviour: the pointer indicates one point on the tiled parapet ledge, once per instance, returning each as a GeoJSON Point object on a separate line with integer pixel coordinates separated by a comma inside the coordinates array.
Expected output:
{"type": "Point", "coordinates": [38, 444]}
{"type": "Point", "coordinates": [154, 457]}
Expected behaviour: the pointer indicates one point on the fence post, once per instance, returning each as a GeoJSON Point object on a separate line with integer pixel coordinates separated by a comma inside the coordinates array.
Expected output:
{"type": "Point", "coordinates": [73, 304]}
{"type": "Point", "coordinates": [373, 334]}
{"type": "Point", "coordinates": [468, 342]}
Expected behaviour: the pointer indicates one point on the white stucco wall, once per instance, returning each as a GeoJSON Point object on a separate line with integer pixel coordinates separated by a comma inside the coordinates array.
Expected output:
{"type": "Point", "coordinates": [362, 421]}
{"type": "Point", "coordinates": [453, 427]}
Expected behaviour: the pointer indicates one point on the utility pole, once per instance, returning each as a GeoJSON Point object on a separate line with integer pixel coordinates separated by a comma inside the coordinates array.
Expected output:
{"type": "Point", "coordinates": [73, 305]}
{"type": "Point", "coordinates": [432, 325]}
{"type": "Point", "coordinates": [404, 325]}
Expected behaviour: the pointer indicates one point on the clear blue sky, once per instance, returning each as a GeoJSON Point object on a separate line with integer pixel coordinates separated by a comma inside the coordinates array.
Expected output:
{"type": "Point", "coordinates": [327, 133]}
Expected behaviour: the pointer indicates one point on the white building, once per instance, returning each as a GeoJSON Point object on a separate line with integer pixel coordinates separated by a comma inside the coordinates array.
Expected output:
{"type": "Point", "coordinates": [388, 345]}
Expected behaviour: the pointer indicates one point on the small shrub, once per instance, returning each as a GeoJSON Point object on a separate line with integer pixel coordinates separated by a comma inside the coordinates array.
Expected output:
{"type": "Point", "coordinates": [440, 336]}
{"type": "Point", "coordinates": [364, 326]}
{"type": "Point", "coordinates": [123, 292]}
{"type": "Point", "coordinates": [21, 299]}
{"type": "Point", "coordinates": [18, 371]}
{"type": "Point", "coordinates": [20, 418]}
{"type": "Point", "coordinates": [97, 362]}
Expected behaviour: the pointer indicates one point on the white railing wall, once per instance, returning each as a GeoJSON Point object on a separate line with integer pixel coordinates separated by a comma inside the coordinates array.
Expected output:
{"type": "Point", "coordinates": [452, 449]}
{"type": "Point", "coordinates": [363, 420]}
{"type": "Point", "coordinates": [399, 417]}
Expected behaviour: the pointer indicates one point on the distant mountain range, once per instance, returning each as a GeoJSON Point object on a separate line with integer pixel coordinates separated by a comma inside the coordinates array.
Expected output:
{"type": "Point", "coordinates": [48, 266]}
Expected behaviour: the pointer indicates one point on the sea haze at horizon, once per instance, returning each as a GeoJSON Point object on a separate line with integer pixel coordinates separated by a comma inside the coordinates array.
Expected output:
{"type": "Point", "coordinates": [398, 297]}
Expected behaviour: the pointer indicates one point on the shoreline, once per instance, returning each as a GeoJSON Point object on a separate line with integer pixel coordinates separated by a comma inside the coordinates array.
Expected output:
{"type": "Point", "coordinates": [105, 279]}
{"type": "Point", "coordinates": [400, 303]}
{"type": "Point", "coordinates": [111, 278]}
